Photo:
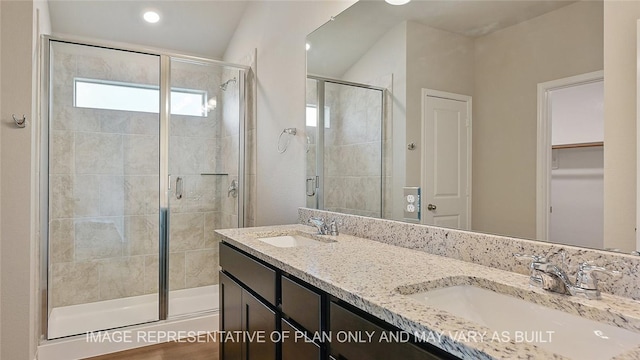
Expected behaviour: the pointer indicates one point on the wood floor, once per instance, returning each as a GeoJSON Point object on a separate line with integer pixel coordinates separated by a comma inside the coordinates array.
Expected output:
{"type": "Point", "coordinates": [167, 351]}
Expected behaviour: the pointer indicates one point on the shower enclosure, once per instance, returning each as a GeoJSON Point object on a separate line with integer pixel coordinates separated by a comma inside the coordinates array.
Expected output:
{"type": "Point", "coordinates": [142, 161]}
{"type": "Point", "coordinates": [345, 168]}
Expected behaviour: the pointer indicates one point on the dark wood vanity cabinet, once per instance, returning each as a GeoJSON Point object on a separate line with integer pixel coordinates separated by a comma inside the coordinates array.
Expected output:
{"type": "Point", "coordinates": [367, 338]}
{"type": "Point", "coordinates": [247, 299]}
{"type": "Point", "coordinates": [244, 315]}
{"type": "Point", "coordinates": [256, 298]}
{"type": "Point", "coordinates": [231, 315]}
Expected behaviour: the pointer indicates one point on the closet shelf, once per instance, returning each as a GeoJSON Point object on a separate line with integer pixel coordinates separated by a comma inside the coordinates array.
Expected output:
{"type": "Point", "coordinates": [578, 145]}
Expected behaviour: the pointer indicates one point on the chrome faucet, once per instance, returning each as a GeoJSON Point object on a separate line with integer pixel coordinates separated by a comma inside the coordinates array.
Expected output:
{"type": "Point", "coordinates": [324, 228]}
{"type": "Point", "coordinates": [319, 223]}
{"type": "Point", "coordinates": [551, 277]}
{"type": "Point", "coordinates": [587, 283]}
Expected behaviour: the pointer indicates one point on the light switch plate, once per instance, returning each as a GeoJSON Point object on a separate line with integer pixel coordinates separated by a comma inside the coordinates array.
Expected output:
{"type": "Point", "coordinates": [411, 203]}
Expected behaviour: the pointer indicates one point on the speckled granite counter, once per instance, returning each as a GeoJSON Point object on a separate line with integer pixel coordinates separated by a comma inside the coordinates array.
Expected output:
{"type": "Point", "coordinates": [371, 275]}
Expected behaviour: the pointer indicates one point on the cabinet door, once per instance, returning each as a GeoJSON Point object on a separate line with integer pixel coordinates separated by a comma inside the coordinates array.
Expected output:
{"type": "Point", "coordinates": [301, 304]}
{"type": "Point", "coordinates": [231, 317]}
{"type": "Point", "coordinates": [297, 346]}
{"type": "Point", "coordinates": [259, 320]}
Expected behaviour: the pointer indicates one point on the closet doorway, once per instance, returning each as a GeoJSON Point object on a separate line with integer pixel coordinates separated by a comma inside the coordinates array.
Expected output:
{"type": "Point", "coordinates": [571, 202]}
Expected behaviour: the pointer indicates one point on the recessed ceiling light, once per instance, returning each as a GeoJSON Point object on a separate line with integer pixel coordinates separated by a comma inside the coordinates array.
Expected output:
{"type": "Point", "coordinates": [151, 17]}
{"type": "Point", "coordinates": [397, 2]}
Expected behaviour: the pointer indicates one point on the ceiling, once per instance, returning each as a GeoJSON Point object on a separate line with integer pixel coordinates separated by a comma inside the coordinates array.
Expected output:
{"type": "Point", "coordinates": [201, 27]}
{"type": "Point", "coordinates": [359, 27]}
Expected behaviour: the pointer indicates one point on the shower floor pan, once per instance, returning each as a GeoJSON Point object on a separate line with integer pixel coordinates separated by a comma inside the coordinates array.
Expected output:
{"type": "Point", "coordinates": [110, 314]}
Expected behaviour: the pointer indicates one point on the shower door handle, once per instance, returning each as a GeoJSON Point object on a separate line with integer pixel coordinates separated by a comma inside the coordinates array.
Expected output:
{"type": "Point", "coordinates": [179, 187]}
{"type": "Point", "coordinates": [233, 189]}
{"type": "Point", "coordinates": [311, 190]}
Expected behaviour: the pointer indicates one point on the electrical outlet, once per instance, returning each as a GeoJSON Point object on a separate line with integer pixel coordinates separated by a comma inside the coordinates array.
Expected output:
{"type": "Point", "coordinates": [412, 203]}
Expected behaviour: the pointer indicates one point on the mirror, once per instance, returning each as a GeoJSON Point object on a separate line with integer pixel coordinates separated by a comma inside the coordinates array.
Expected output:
{"type": "Point", "coordinates": [498, 64]}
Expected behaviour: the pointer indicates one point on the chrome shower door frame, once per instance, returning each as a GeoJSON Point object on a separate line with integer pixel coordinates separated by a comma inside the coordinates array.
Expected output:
{"type": "Point", "coordinates": [164, 181]}
{"type": "Point", "coordinates": [320, 135]}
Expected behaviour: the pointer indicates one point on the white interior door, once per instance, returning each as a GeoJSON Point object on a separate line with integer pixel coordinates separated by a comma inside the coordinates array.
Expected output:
{"type": "Point", "coordinates": [446, 159]}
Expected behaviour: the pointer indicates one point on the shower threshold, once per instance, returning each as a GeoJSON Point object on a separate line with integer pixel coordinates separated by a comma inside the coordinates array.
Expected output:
{"type": "Point", "coordinates": [110, 314]}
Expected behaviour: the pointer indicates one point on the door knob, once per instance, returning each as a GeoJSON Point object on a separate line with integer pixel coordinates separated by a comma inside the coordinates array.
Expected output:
{"type": "Point", "coordinates": [431, 207]}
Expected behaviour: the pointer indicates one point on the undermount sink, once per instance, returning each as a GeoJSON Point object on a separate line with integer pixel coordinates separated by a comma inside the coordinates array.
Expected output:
{"type": "Point", "coordinates": [293, 239]}
{"type": "Point", "coordinates": [556, 331]}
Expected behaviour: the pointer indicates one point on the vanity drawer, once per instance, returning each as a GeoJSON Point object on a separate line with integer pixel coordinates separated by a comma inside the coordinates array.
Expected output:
{"type": "Point", "coordinates": [363, 348]}
{"type": "Point", "coordinates": [301, 304]}
{"type": "Point", "coordinates": [343, 320]}
{"type": "Point", "coordinates": [255, 275]}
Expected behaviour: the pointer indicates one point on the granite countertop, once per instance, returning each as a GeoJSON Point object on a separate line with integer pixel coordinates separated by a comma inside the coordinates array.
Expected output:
{"type": "Point", "coordinates": [373, 277]}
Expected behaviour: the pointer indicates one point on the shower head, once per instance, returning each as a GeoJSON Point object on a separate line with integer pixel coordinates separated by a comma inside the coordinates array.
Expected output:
{"type": "Point", "coordinates": [224, 85]}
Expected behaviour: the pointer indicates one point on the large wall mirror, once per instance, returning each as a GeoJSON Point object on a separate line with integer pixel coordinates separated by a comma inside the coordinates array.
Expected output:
{"type": "Point", "coordinates": [492, 109]}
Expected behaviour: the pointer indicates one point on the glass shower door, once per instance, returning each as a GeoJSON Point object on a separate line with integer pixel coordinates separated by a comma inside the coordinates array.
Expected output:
{"type": "Point", "coordinates": [205, 178]}
{"type": "Point", "coordinates": [103, 192]}
{"type": "Point", "coordinates": [344, 121]}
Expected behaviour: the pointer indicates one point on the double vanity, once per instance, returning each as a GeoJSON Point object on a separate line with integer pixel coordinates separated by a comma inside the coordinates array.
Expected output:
{"type": "Point", "coordinates": [295, 294]}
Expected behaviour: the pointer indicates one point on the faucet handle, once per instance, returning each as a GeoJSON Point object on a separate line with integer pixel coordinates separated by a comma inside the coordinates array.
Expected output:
{"type": "Point", "coordinates": [535, 279]}
{"type": "Point", "coordinates": [333, 227]}
{"type": "Point", "coordinates": [585, 278]}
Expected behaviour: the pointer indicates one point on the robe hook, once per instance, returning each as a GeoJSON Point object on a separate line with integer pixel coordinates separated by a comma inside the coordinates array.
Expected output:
{"type": "Point", "coordinates": [20, 122]}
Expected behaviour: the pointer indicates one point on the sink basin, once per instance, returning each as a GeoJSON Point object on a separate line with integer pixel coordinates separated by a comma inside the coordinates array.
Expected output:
{"type": "Point", "coordinates": [553, 330]}
{"type": "Point", "coordinates": [286, 241]}
{"type": "Point", "coordinates": [292, 239]}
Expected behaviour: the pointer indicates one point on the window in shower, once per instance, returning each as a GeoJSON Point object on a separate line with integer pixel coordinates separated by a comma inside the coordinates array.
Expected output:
{"type": "Point", "coordinates": [114, 95]}
{"type": "Point", "coordinates": [312, 116]}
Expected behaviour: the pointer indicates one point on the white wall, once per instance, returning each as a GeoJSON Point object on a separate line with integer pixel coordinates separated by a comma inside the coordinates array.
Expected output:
{"type": "Point", "coordinates": [509, 65]}
{"type": "Point", "coordinates": [577, 193]}
{"type": "Point", "coordinates": [578, 114]}
{"type": "Point", "coordinates": [278, 29]}
{"type": "Point", "coordinates": [15, 195]}
{"type": "Point", "coordinates": [19, 265]}
{"type": "Point", "coordinates": [620, 97]}
{"type": "Point", "coordinates": [437, 60]}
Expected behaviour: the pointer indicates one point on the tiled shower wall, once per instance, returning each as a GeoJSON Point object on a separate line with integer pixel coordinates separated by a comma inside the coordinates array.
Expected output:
{"type": "Point", "coordinates": [356, 178]}
{"type": "Point", "coordinates": [353, 150]}
{"type": "Point", "coordinates": [104, 167]}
